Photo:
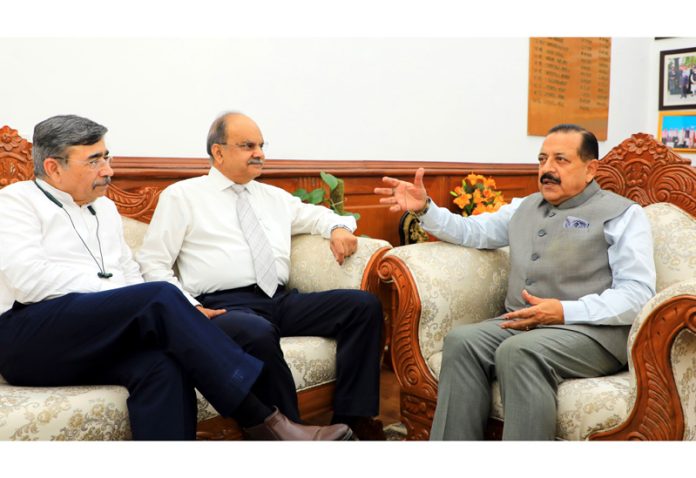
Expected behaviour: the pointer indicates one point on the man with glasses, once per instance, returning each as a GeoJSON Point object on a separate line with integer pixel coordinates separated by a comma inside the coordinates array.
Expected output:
{"type": "Point", "coordinates": [229, 237]}
{"type": "Point", "coordinates": [74, 309]}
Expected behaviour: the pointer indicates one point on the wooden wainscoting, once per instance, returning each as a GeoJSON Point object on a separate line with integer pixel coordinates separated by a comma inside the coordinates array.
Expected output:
{"type": "Point", "coordinates": [139, 180]}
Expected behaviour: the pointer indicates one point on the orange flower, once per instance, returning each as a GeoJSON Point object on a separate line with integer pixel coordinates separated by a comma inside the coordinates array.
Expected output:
{"type": "Point", "coordinates": [477, 195]}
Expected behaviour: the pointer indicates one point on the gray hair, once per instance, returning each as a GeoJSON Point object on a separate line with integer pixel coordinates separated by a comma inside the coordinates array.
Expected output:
{"type": "Point", "coordinates": [217, 134]}
{"type": "Point", "coordinates": [52, 137]}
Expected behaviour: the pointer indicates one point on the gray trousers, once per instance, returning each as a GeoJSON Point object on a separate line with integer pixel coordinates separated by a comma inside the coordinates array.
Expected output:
{"type": "Point", "coordinates": [529, 367]}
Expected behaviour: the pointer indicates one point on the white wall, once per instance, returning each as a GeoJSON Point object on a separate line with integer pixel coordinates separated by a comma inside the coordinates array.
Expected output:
{"type": "Point", "coordinates": [460, 99]}
{"type": "Point", "coordinates": [653, 118]}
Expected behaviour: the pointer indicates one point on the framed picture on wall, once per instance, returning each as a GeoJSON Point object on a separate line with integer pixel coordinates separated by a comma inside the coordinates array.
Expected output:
{"type": "Point", "coordinates": [678, 79]}
{"type": "Point", "coordinates": [678, 130]}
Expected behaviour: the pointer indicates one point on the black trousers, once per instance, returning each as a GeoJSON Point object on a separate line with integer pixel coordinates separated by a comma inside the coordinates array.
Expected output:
{"type": "Point", "coordinates": [146, 337]}
{"type": "Point", "coordinates": [352, 317]}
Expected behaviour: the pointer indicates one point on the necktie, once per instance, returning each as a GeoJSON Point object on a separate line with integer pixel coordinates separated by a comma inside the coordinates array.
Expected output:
{"type": "Point", "coordinates": [261, 252]}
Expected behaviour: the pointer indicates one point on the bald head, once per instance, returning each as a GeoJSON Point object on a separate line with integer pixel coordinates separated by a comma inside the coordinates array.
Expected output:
{"type": "Point", "coordinates": [235, 146]}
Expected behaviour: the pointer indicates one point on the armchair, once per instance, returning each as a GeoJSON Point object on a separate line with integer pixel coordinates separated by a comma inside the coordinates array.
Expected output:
{"type": "Point", "coordinates": [654, 399]}
{"type": "Point", "coordinates": [99, 412]}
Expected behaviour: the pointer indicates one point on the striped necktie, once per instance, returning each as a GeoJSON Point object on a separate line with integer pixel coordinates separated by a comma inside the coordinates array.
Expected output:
{"type": "Point", "coordinates": [261, 252]}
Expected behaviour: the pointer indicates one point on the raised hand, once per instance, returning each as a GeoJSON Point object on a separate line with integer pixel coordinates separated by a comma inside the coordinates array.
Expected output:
{"type": "Point", "coordinates": [402, 195]}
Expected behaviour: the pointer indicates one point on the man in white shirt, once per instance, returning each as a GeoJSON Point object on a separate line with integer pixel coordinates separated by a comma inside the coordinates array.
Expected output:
{"type": "Point", "coordinates": [74, 309]}
{"type": "Point", "coordinates": [581, 269]}
{"type": "Point", "coordinates": [200, 227]}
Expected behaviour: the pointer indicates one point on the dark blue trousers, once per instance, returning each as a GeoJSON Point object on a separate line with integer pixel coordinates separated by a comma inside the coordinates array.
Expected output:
{"type": "Point", "coordinates": [146, 337]}
{"type": "Point", "coordinates": [352, 317]}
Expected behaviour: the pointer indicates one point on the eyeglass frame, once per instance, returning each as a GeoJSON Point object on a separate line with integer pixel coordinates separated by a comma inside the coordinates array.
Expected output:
{"type": "Point", "coordinates": [247, 145]}
{"type": "Point", "coordinates": [95, 164]}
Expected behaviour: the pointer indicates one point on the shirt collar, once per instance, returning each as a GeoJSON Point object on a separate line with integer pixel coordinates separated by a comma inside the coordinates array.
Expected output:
{"type": "Point", "coordinates": [61, 196]}
{"type": "Point", "coordinates": [220, 181]}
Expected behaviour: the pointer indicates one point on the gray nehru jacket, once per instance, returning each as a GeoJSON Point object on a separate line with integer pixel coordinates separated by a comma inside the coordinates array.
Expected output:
{"type": "Point", "coordinates": [561, 252]}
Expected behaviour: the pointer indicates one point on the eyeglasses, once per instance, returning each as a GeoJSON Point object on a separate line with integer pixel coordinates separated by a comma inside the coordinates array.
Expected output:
{"type": "Point", "coordinates": [94, 163]}
{"type": "Point", "coordinates": [247, 145]}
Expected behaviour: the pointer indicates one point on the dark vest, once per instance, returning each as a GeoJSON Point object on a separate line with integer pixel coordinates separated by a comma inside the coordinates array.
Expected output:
{"type": "Point", "coordinates": [560, 252]}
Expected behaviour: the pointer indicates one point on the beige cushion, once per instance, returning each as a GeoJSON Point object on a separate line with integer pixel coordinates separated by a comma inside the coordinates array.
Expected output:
{"type": "Point", "coordinates": [585, 405]}
{"type": "Point", "coordinates": [456, 285]}
{"type": "Point", "coordinates": [674, 238]}
{"type": "Point", "coordinates": [100, 412]}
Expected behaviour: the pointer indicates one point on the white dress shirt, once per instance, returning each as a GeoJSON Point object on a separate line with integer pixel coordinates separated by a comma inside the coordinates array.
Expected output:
{"type": "Point", "coordinates": [630, 258]}
{"type": "Point", "coordinates": [41, 255]}
{"type": "Point", "coordinates": [195, 229]}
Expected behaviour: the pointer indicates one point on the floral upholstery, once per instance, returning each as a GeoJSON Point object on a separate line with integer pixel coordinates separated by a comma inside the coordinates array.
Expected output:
{"type": "Point", "coordinates": [100, 412]}
{"type": "Point", "coordinates": [449, 295]}
{"type": "Point", "coordinates": [313, 267]}
{"type": "Point", "coordinates": [585, 406]}
{"type": "Point", "coordinates": [674, 233]}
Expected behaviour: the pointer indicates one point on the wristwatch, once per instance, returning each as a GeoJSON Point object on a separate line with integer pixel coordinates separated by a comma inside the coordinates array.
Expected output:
{"type": "Point", "coordinates": [422, 212]}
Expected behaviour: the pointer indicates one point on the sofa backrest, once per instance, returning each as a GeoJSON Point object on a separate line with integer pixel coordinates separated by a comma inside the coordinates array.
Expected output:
{"type": "Point", "coordinates": [674, 240]}
{"type": "Point", "coordinates": [134, 232]}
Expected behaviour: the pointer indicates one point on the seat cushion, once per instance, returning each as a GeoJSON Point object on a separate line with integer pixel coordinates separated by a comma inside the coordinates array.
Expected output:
{"type": "Point", "coordinates": [585, 405]}
{"type": "Point", "coordinates": [100, 412]}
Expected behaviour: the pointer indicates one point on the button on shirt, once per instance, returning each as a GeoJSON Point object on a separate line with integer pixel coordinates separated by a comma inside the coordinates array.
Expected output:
{"type": "Point", "coordinates": [41, 255]}
{"type": "Point", "coordinates": [195, 229]}
{"type": "Point", "coordinates": [630, 258]}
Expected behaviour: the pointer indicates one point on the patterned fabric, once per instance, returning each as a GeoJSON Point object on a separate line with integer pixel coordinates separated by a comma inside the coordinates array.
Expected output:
{"type": "Point", "coordinates": [100, 413]}
{"type": "Point", "coordinates": [457, 285]}
{"type": "Point", "coordinates": [674, 237]}
{"type": "Point", "coordinates": [314, 268]}
{"type": "Point", "coordinates": [585, 406]}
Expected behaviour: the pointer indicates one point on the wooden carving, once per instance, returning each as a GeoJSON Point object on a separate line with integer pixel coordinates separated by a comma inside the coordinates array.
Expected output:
{"type": "Point", "coordinates": [418, 387]}
{"type": "Point", "coordinates": [657, 413]}
{"type": "Point", "coordinates": [15, 157]}
{"type": "Point", "coordinates": [646, 171]}
{"type": "Point", "coordinates": [138, 203]}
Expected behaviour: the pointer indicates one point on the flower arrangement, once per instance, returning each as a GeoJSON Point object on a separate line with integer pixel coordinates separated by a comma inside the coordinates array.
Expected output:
{"type": "Point", "coordinates": [477, 195]}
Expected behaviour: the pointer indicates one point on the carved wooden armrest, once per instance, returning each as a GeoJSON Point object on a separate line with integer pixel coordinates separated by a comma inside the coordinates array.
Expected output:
{"type": "Point", "coordinates": [434, 286]}
{"type": "Point", "coordinates": [657, 411]}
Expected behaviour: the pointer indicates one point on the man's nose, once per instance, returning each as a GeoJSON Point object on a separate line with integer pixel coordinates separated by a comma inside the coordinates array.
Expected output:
{"type": "Point", "coordinates": [106, 170]}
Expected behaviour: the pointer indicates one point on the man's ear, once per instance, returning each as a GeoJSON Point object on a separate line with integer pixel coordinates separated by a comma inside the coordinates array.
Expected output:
{"type": "Point", "coordinates": [216, 151]}
{"type": "Point", "coordinates": [52, 167]}
{"type": "Point", "coordinates": [592, 167]}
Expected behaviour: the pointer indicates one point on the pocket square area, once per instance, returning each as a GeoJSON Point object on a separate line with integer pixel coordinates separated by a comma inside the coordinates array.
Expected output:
{"type": "Point", "coordinates": [573, 222]}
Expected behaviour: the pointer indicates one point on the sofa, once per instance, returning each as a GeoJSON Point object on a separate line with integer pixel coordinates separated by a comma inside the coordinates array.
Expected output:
{"type": "Point", "coordinates": [100, 413]}
{"type": "Point", "coordinates": [439, 285]}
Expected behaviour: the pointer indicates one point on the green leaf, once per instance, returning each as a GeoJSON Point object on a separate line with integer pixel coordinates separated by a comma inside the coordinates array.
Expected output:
{"type": "Point", "coordinates": [300, 193]}
{"type": "Point", "coordinates": [329, 179]}
{"type": "Point", "coordinates": [454, 194]}
{"type": "Point", "coordinates": [316, 196]}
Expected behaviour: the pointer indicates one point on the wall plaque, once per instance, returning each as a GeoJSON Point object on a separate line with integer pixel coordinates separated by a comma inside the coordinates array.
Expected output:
{"type": "Point", "coordinates": [569, 83]}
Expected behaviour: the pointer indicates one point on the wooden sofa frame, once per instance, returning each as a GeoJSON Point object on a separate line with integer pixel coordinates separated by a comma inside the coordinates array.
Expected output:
{"type": "Point", "coordinates": [643, 170]}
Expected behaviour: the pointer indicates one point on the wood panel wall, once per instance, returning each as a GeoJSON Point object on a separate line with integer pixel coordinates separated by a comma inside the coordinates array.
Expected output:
{"type": "Point", "coordinates": [150, 175]}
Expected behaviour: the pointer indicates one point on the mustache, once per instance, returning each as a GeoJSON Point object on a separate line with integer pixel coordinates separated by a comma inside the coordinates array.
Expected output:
{"type": "Point", "coordinates": [255, 161]}
{"type": "Point", "coordinates": [105, 182]}
{"type": "Point", "coordinates": [550, 177]}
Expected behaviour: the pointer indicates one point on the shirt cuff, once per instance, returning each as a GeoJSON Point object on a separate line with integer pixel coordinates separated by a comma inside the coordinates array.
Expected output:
{"type": "Point", "coordinates": [574, 312]}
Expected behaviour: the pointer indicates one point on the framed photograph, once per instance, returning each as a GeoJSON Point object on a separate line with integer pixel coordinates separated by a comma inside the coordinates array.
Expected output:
{"type": "Point", "coordinates": [678, 130]}
{"type": "Point", "coordinates": [678, 79]}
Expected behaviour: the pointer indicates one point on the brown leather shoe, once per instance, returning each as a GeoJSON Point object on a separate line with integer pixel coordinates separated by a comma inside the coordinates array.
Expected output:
{"type": "Point", "coordinates": [368, 429]}
{"type": "Point", "coordinates": [279, 427]}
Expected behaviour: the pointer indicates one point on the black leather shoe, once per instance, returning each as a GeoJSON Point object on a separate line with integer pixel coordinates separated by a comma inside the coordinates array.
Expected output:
{"type": "Point", "coordinates": [279, 427]}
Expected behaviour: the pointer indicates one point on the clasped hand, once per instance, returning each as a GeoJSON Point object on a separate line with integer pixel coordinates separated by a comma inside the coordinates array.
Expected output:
{"type": "Point", "coordinates": [540, 312]}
